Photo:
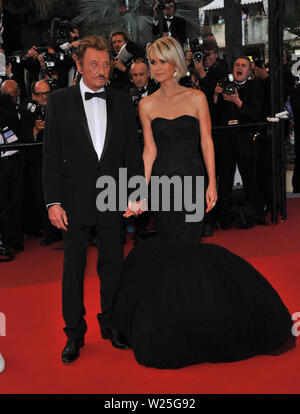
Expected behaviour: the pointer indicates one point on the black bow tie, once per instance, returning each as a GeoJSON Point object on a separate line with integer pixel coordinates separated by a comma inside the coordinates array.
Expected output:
{"type": "Point", "coordinates": [168, 20]}
{"type": "Point", "coordinates": [142, 90]}
{"type": "Point", "coordinates": [90, 95]}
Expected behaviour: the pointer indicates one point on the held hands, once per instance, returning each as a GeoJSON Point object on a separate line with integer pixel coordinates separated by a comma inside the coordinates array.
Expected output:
{"type": "Point", "coordinates": [135, 208]}
{"type": "Point", "coordinates": [211, 197]}
{"type": "Point", "coordinates": [58, 217]}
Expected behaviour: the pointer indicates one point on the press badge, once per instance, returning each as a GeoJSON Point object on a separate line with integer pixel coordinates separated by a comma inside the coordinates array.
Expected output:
{"type": "Point", "coordinates": [9, 136]}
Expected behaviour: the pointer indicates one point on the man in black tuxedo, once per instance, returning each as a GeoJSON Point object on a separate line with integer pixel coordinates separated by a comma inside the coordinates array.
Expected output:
{"type": "Point", "coordinates": [171, 25]}
{"type": "Point", "coordinates": [93, 138]}
{"type": "Point", "coordinates": [238, 146]}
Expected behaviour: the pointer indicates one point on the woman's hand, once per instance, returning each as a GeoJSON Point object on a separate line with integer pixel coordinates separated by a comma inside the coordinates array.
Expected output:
{"type": "Point", "coordinates": [211, 197]}
{"type": "Point", "coordinates": [135, 208]}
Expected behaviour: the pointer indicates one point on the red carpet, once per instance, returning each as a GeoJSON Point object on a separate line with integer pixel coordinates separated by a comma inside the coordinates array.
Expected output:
{"type": "Point", "coordinates": [30, 298]}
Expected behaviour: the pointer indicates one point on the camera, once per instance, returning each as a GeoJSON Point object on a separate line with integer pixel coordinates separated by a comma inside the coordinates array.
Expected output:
{"type": "Point", "coordinates": [38, 110]}
{"type": "Point", "coordinates": [196, 46]}
{"type": "Point", "coordinates": [228, 85]}
{"type": "Point", "coordinates": [16, 57]}
{"type": "Point", "coordinates": [259, 63]}
{"type": "Point", "coordinates": [60, 31]}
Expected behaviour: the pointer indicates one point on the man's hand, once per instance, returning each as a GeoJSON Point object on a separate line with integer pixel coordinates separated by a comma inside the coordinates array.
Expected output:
{"type": "Point", "coordinates": [200, 68]}
{"type": "Point", "coordinates": [218, 89]}
{"type": "Point", "coordinates": [261, 73]}
{"type": "Point", "coordinates": [235, 98]}
{"type": "Point", "coordinates": [32, 53]}
{"type": "Point", "coordinates": [119, 65]}
{"type": "Point", "coordinates": [74, 44]}
{"type": "Point", "coordinates": [58, 217]}
{"type": "Point", "coordinates": [9, 70]}
{"type": "Point", "coordinates": [38, 126]}
{"type": "Point", "coordinates": [42, 62]}
{"type": "Point", "coordinates": [155, 11]}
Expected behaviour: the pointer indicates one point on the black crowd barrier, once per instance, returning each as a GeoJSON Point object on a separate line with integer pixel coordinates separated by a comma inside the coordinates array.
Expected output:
{"type": "Point", "coordinates": [21, 146]}
{"type": "Point", "coordinates": [277, 190]}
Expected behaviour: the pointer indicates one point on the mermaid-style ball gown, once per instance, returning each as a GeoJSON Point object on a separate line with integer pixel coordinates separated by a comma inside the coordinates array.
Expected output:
{"type": "Point", "coordinates": [181, 302]}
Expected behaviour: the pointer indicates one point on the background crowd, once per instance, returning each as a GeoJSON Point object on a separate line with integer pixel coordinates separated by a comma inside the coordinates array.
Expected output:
{"type": "Point", "coordinates": [238, 95]}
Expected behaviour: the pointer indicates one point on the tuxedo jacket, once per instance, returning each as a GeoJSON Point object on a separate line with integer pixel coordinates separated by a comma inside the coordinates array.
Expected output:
{"type": "Point", "coordinates": [177, 28]}
{"type": "Point", "coordinates": [70, 163]}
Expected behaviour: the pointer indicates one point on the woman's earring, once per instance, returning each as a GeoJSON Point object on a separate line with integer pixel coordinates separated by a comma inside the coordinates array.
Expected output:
{"type": "Point", "coordinates": [175, 74]}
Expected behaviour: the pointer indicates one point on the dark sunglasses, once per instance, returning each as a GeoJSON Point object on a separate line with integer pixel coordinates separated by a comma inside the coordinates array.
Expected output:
{"type": "Point", "coordinates": [41, 93]}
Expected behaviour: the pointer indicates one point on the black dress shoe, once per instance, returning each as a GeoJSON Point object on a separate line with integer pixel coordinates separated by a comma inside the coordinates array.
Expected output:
{"type": "Point", "coordinates": [117, 339]}
{"type": "Point", "coordinates": [71, 351]}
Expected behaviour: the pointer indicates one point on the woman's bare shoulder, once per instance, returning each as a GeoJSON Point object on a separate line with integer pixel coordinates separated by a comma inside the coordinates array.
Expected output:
{"type": "Point", "coordinates": [197, 94]}
{"type": "Point", "coordinates": [147, 103]}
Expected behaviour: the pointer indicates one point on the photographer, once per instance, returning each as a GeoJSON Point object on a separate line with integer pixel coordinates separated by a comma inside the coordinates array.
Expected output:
{"type": "Point", "coordinates": [68, 72]}
{"type": "Point", "coordinates": [210, 70]}
{"type": "Point", "coordinates": [141, 86]}
{"type": "Point", "coordinates": [52, 69]}
{"type": "Point", "coordinates": [171, 25]}
{"type": "Point", "coordinates": [11, 186]}
{"type": "Point", "coordinates": [33, 114]}
{"type": "Point", "coordinates": [120, 69]}
{"type": "Point", "coordinates": [238, 102]}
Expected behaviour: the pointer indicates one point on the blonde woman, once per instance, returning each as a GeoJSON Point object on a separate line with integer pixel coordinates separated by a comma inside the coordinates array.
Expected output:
{"type": "Point", "coordinates": [182, 302]}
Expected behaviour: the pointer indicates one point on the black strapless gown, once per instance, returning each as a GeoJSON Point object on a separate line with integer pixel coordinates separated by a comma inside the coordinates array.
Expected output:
{"type": "Point", "coordinates": [181, 302]}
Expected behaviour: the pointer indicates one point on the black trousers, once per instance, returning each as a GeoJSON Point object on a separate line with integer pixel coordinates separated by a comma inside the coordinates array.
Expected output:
{"type": "Point", "coordinates": [228, 156]}
{"type": "Point", "coordinates": [110, 260]}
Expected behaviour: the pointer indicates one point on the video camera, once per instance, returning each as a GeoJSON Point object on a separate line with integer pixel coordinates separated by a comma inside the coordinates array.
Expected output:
{"type": "Point", "coordinates": [60, 31]}
{"type": "Point", "coordinates": [38, 110]}
{"type": "Point", "coordinates": [228, 85]}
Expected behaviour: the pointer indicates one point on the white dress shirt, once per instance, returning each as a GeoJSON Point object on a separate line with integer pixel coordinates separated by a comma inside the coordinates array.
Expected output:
{"type": "Point", "coordinates": [95, 110]}
{"type": "Point", "coordinates": [96, 114]}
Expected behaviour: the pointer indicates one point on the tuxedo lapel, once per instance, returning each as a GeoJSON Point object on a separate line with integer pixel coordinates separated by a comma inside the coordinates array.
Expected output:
{"type": "Point", "coordinates": [81, 117]}
{"type": "Point", "coordinates": [109, 122]}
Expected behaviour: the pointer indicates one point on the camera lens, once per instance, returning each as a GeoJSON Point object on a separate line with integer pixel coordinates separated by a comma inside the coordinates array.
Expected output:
{"type": "Point", "coordinates": [198, 56]}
